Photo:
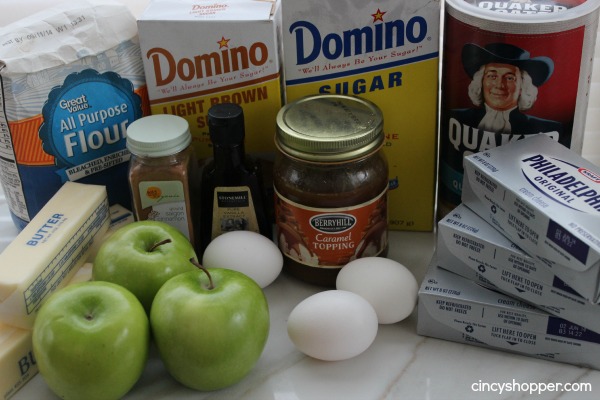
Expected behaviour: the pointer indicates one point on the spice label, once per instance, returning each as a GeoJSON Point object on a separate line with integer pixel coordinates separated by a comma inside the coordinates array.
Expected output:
{"type": "Point", "coordinates": [233, 210]}
{"type": "Point", "coordinates": [167, 202]}
{"type": "Point", "coordinates": [331, 237]}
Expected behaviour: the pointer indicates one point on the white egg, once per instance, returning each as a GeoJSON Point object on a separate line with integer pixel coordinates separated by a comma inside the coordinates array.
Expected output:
{"type": "Point", "coordinates": [333, 325]}
{"type": "Point", "coordinates": [247, 252]}
{"type": "Point", "coordinates": [388, 285]}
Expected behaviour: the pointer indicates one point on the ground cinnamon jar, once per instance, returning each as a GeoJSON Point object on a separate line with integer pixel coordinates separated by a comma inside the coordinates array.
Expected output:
{"type": "Point", "coordinates": [163, 172]}
{"type": "Point", "coordinates": [330, 178]}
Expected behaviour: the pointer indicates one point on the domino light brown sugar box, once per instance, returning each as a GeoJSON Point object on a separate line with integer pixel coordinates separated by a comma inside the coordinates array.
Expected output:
{"type": "Point", "coordinates": [200, 53]}
{"type": "Point", "coordinates": [546, 199]}
{"type": "Point", "coordinates": [388, 53]}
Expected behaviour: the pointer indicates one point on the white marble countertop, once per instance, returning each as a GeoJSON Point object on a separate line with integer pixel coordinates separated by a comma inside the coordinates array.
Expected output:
{"type": "Point", "coordinates": [399, 365]}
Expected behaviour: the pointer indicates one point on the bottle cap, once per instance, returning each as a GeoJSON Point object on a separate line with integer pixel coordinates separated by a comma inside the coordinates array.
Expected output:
{"type": "Point", "coordinates": [158, 135]}
{"type": "Point", "coordinates": [226, 124]}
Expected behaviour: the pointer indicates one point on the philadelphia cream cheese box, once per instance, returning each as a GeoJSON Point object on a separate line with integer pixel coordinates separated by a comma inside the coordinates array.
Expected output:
{"type": "Point", "coordinates": [386, 52]}
{"type": "Point", "coordinates": [457, 309]}
{"type": "Point", "coordinates": [546, 199]}
{"type": "Point", "coordinates": [472, 248]}
{"type": "Point", "coordinates": [200, 53]}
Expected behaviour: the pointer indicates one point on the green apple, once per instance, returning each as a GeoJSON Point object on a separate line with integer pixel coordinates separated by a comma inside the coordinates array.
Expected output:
{"type": "Point", "coordinates": [91, 341]}
{"type": "Point", "coordinates": [141, 256]}
{"type": "Point", "coordinates": [210, 332]}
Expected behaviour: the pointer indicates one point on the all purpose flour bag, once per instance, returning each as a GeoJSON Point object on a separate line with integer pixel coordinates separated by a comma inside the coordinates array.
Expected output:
{"type": "Point", "coordinates": [72, 80]}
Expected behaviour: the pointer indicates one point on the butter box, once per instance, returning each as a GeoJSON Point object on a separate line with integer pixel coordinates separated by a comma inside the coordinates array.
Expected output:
{"type": "Point", "coordinates": [17, 361]}
{"type": "Point", "coordinates": [199, 53]}
{"type": "Point", "coordinates": [457, 309]}
{"type": "Point", "coordinates": [469, 246]}
{"type": "Point", "coordinates": [546, 199]}
{"type": "Point", "coordinates": [386, 52]}
{"type": "Point", "coordinates": [49, 251]}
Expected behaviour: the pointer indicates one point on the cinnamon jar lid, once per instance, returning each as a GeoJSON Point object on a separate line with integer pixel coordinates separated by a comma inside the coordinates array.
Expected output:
{"type": "Point", "coordinates": [329, 128]}
{"type": "Point", "coordinates": [158, 135]}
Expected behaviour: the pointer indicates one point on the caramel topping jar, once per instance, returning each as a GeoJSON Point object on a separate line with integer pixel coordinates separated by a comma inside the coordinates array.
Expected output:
{"type": "Point", "coordinates": [330, 180]}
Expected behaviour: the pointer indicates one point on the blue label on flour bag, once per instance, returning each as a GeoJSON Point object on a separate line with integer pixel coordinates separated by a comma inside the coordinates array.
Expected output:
{"type": "Point", "coordinates": [85, 123]}
{"type": "Point", "coordinates": [84, 129]}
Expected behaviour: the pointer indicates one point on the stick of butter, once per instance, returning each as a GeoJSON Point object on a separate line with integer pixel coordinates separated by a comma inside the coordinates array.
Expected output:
{"type": "Point", "coordinates": [16, 360]}
{"type": "Point", "coordinates": [50, 250]}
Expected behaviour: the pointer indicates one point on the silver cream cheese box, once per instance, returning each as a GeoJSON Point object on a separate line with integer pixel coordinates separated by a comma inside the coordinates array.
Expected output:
{"type": "Point", "coordinates": [469, 246]}
{"type": "Point", "coordinates": [546, 199]}
{"type": "Point", "coordinates": [457, 309]}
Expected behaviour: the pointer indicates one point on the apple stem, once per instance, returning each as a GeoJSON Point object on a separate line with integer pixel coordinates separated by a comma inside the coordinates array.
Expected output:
{"type": "Point", "coordinates": [211, 285]}
{"type": "Point", "coordinates": [155, 245]}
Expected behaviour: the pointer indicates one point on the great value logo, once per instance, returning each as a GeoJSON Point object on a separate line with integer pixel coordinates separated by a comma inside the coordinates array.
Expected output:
{"type": "Point", "coordinates": [575, 187]}
{"type": "Point", "coordinates": [85, 122]}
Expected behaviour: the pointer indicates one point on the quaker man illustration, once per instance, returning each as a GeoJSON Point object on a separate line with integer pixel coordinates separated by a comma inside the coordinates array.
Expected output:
{"type": "Point", "coordinates": [505, 81]}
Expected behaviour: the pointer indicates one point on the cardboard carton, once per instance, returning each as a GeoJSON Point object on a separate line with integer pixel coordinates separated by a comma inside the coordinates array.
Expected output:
{"type": "Point", "coordinates": [386, 52]}
{"type": "Point", "coordinates": [197, 54]}
{"type": "Point", "coordinates": [472, 248]}
{"type": "Point", "coordinates": [460, 310]}
{"type": "Point", "coordinates": [546, 199]}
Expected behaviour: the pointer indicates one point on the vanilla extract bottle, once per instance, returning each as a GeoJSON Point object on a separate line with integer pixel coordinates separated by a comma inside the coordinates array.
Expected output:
{"type": "Point", "coordinates": [232, 194]}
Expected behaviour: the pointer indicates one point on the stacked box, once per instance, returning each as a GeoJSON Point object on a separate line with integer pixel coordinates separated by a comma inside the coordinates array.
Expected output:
{"type": "Point", "coordinates": [517, 264]}
{"type": "Point", "coordinates": [196, 55]}
{"type": "Point", "coordinates": [546, 199]}
{"type": "Point", "coordinates": [457, 309]}
{"type": "Point", "coordinates": [386, 52]}
{"type": "Point", "coordinates": [469, 246]}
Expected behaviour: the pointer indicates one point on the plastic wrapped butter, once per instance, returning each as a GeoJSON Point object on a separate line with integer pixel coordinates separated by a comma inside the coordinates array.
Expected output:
{"type": "Point", "coordinates": [50, 250]}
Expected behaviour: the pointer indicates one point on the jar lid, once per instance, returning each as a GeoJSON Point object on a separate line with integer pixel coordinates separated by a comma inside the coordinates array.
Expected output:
{"type": "Point", "coordinates": [158, 135]}
{"type": "Point", "coordinates": [329, 128]}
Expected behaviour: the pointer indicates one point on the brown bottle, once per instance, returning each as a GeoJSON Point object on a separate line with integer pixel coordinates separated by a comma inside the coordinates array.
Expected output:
{"type": "Point", "coordinates": [232, 192]}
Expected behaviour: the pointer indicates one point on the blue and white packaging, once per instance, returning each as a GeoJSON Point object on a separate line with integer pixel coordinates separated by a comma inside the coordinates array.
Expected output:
{"type": "Point", "coordinates": [469, 246]}
{"type": "Point", "coordinates": [457, 309]}
{"type": "Point", "coordinates": [546, 199]}
{"type": "Point", "coordinates": [72, 80]}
